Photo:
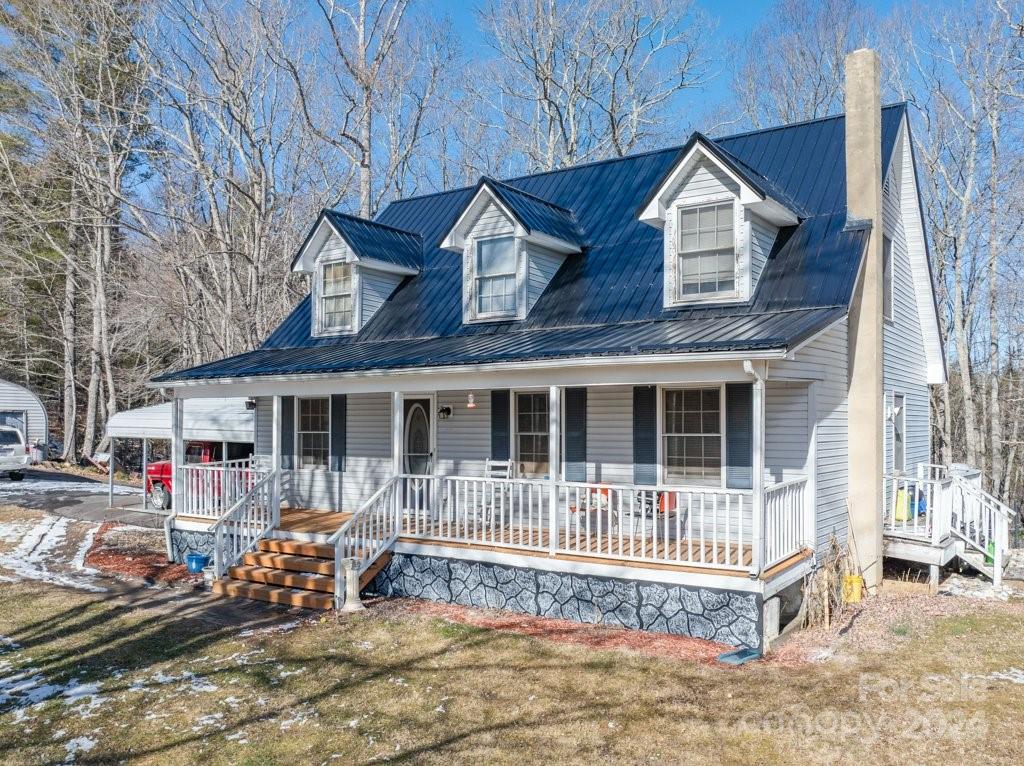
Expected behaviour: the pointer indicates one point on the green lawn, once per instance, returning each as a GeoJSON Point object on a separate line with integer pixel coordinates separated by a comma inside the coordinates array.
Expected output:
{"type": "Point", "coordinates": [396, 685]}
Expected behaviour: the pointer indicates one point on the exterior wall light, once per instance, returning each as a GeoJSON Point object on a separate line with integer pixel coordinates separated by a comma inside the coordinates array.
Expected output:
{"type": "Point", "coordinates": [470, 402]}
{"type": "Point", "coordinates": [443, 413]}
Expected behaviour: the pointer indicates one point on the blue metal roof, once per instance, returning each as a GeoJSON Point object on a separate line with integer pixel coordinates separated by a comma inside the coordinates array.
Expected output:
{"type": "Point", "coordinates": [536, 214]}
{"type": "Point", "coordinates": [377, 241]}
{"type": "Point", "coordinates": [597, 302]}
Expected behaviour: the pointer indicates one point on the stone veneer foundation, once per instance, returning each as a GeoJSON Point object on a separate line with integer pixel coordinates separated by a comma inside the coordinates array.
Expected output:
{"type": "Point", "coordinates": [184, 542]}
{"type": "Point", "coordinates": [731, 617]}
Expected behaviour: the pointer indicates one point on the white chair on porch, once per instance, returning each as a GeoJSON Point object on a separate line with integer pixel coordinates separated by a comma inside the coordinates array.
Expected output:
{"type": "Point", "coordinates": [488, 504]}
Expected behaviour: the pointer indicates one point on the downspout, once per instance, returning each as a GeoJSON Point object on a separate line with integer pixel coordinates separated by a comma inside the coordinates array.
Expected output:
{"type": "Point", "coordinates": [757, 465]}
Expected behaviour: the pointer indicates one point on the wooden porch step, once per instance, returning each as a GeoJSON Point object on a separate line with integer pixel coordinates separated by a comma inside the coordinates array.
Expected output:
{"type": "Point", "coordinates": [290, 563]}
{"type": "Point", "coordinates": [297, 548]}
{"type": "Point", "coordinates": [280, 577]}
{"type": "Point", "coordinates": [275, 595]}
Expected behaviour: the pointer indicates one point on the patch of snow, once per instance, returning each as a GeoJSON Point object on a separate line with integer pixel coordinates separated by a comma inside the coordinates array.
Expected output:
{"type": "Point", "coordinates": [284, 627]}
{"type": "Point", "coordinates": [300, 717]}
{"type": "Point", "coordinates": [238, 736]}
{"type": "Point", "coordinates": [86, 696]}
{"type": "Point", "coordinates": [51, 487]}
{"type": "Point", "coordinates": [13, 531]}
{"type": "Point", "coordinates": [286, 673]}
{"type": "Point", "coordinates": [210, 719]}
{"type": "Point", "coordinates": [37, 547]}
{"type": "Point", "coordinates": [1010, 675]}
{"type": "Point", "coordinates": [79, 561]}
{"type": "Point", "coordinates": [77, 745]}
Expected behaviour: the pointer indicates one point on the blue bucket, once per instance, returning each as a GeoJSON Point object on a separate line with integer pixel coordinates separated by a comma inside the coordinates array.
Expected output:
{"type": "Point", "coordinates": [196, 562]}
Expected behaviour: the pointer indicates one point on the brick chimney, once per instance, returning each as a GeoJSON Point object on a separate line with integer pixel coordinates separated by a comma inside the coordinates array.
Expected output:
{"type": "Point", "coordinates": [866, 404]}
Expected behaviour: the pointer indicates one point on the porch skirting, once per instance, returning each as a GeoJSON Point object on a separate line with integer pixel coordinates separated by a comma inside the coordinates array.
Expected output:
{"type": "Point", "coordinates": [184, 542]}
{"type": "Point", "coordinates": [730, 617]}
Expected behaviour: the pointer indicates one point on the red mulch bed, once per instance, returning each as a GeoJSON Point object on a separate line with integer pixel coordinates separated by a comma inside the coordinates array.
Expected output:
{"type": "Point", "coordinates": [565, 631]}
{"type": "Point", "coordinates": [113, 551]}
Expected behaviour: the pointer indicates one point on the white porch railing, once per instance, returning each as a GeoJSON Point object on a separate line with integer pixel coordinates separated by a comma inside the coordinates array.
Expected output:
{"type": "Point", "coordinates": [369, 533]}
{"type": "Point", "coordinates": [983, 522]}
{"type": "Point", "coordinates": [251, 518]}
{"type": "Point", "coordinates": [210, 489]}
{"type": "Point", "coordinates": [706, 526]}
{"type": "Point", "coordinates": [918, 507]}
{"type": "Point", "coordinates": [785, 521]}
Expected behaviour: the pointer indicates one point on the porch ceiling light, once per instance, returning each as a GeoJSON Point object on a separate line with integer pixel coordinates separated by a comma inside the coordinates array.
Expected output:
{"type": "Point", "coordinates": [470, 402]}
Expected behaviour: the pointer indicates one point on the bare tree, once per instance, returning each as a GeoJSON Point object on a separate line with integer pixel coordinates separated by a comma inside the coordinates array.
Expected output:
{"type": "Point", "coordinates": [790, 67]}
{"type": "Point", "coordinates": [370, 82]}
{"type": "Point", "coordinates": [576, 81]}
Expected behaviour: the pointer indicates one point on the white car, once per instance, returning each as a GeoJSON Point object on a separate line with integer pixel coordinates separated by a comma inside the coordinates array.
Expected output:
{"type": "Point", "coordinates": [14, 453]}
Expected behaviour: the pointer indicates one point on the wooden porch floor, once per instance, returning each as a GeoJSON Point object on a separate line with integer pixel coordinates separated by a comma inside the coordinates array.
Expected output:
{"type": "Point", "coordinates": [308, 521]}
{"type": "Point", "coordinates": [673, 553]}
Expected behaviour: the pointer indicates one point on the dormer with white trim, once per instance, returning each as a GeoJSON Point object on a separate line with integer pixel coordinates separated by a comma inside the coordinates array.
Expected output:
{"type": "Point", "coordinates": [355, 266]}
{"type": "Point", "coordinates": [720, 223]}
{"type": "Point", "coordinates": [512, 245]}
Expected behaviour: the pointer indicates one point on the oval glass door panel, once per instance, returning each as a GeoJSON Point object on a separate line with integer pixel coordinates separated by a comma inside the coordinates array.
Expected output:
{"type": "Point", "coordinates": [417, 441]}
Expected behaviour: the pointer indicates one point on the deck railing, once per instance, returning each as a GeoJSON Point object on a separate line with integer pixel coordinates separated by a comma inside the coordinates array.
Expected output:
{"type": "Point", "coordinates": [785, 521]}
{"type": "Point", "coordinates": [251, 518]}
{"type": "Point", "coordinates": [706, 526]}
{"type": "Point", "coordinates": [918, 507]}
{"type": "Point", "coordinates": [210, 489]}
{"type": "Point", "coordinates": [676, 525]}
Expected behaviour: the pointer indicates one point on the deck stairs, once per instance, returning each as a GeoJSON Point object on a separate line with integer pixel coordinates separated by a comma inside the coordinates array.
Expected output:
{"type": "Point", "coordinates": [290, 572]}
{"type": "Point", "coordinates": [944, 515]}
{"type": "Point", "coordinates": [301, 568]}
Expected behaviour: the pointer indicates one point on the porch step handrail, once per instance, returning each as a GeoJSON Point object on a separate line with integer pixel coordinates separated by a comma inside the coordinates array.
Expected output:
{"type": "Point", "coordinates": [982, 521]}
{"type": "Point", "coordinates": [370, 532]}
{"type": "Point", "coordinates": [249, 520]}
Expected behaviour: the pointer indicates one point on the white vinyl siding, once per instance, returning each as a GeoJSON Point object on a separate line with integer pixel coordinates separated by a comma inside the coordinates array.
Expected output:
{"type": "Point", "coordinates": [375, 287]}
{"type": "Point", "coordinates": [824, 361]}
{"type": "Point", "coordinates": [367, 448]}
{"type": "Point", "coordinates": [610, 434]}
{"type": "Point", "coordinates": [903, 351]}
{"type": "Point", "coordinates": [541, 268]}
{"type": "Point", "coordinates": [786, 431]}
{"type": "Point", "coordinates": [464, 439]}
{"type": "Point", "coordinates": [762, 239]}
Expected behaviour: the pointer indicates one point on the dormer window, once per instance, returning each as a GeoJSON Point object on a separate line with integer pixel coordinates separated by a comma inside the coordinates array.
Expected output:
{"type": "Point", "coordinates": [496, 284]}
{"type": "Point", "coordinates": [336, 302]}
{"type": "Point", "coordinates": [706, 251]}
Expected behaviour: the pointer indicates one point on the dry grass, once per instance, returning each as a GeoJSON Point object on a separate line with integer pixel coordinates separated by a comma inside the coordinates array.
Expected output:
{"type": "Point", "coordinates": [401, 685]}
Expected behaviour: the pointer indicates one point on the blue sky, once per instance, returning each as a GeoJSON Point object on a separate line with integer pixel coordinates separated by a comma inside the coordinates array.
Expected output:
{"type": "Point", "coordinates": [736, 18]}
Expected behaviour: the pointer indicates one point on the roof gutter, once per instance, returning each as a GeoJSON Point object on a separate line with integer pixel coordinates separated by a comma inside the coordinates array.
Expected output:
{"type": "Point", "coordinates": [590, 361]}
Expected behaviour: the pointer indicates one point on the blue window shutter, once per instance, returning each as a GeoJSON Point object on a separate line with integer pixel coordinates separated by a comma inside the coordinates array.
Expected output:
{"type": "Point", "coordinates": [500, 422]}
{"type": "Point", "coordinates": [287, 433]}
{"type": "Point", "coordinates": [645, 435]}
{"type": "Point", "coordinates": [739, 435]}
{"type": "Point", "coordinates": [339, 413]}
{"type": "Point", "coordinates": [575, 434]}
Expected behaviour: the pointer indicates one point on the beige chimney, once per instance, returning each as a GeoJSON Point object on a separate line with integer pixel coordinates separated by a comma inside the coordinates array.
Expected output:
{"type": "Point", "coordinates": [866, 405]}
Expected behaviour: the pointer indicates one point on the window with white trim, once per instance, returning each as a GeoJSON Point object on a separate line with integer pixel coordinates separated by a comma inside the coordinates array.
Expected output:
{"type": "Point", "coordinates": [336, 298]}
{"type": "Point", "coordinates": [532, 434]}
{"type": "Point", "coordinates": [692, 434]}
{"type": "Point", "coordinates": [705, 251]}
{"type": "Point", "coordinates": [496, 276]}
{"type": "Point", "coordinates": [313, 432]}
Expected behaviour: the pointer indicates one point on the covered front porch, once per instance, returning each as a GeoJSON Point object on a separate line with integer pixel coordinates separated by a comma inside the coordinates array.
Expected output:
{"type": "Point", "coordinates": [706, 469]}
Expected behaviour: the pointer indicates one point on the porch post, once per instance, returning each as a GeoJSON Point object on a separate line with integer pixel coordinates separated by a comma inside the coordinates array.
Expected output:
{"type": "Point", "coordinates": [397, 423]}
{"type": "Point", "coordinates": [757, 505]}
{"type": "Point", "coordinates": [275, 460]}
{"type": "Point", "coordinates": [145, 472]}
{"type": "Point", "coordinates": [110, 475]}
{"type": "Point", "coordinates": [554, 463]}
{"type": "Point", "coordinates": [811, 470]}
{"type": "Point", "coordinates": [177, 455]}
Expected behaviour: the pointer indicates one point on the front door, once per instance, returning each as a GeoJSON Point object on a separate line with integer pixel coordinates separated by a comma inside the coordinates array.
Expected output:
{"type": "Point", "coordinates": [418, 452]}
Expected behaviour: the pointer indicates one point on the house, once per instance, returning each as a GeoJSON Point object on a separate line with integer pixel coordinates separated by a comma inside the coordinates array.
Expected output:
{"type": "Point", "coordinates": [645, 391]}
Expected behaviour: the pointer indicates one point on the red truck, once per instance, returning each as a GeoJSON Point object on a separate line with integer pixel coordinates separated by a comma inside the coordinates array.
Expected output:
{"type": "Point", "coordinates": [158, 475]}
